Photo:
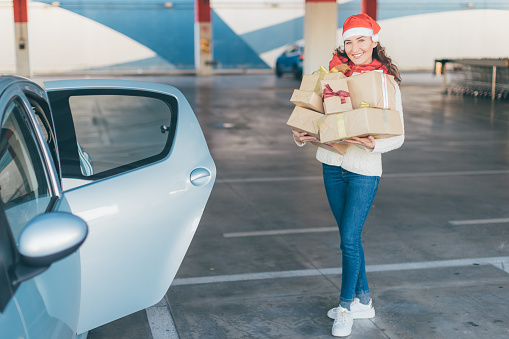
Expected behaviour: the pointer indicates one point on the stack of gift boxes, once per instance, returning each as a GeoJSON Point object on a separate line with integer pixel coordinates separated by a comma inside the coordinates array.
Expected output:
{"type": "Point", "coordinates": [333, 107]}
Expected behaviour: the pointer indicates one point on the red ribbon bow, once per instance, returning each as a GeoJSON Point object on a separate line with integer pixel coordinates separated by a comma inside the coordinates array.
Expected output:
{"type": "Point", "coordinates": [328, 92]}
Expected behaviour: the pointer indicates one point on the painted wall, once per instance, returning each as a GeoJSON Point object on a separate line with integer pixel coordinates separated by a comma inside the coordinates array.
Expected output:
{"type": "Point", "coordinates": [147, 36]}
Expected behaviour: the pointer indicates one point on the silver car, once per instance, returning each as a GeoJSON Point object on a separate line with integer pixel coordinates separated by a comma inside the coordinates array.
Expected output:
{"type": "Point", "coordinates": [102, 185]}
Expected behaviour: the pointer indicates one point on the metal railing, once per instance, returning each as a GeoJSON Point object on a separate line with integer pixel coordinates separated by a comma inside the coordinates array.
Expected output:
{"type": "Point", "coordinates": [485, 77]}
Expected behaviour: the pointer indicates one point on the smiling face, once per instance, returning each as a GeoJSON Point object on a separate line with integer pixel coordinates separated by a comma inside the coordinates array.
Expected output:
{"type": "Point", "coordinates": [359, 49]}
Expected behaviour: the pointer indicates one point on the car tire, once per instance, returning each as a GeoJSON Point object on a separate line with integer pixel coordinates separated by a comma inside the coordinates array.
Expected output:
{"type": "Point", "coordinates": [278, 71]}
{"type": "Point", "coordinates": [297, 73]}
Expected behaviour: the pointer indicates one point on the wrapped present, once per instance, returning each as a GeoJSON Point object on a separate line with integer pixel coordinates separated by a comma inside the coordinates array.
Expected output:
{"type": "Point", "coordinates": [372, 88]}
{"type": "Point", "coordinates": [339, 148]}
{"type": "Point", "coordinates": [343, 68]}
{"type": "Point", "coordinates": [336, 97]}
{"type": "Point", "coordinates": [311, 82]}
{"type": "Point", "coordinates": [302, 120]}
{"type": "Point", "coordinates": [309, 100]}
{"type": "Point", "coordinates": [359, 123]}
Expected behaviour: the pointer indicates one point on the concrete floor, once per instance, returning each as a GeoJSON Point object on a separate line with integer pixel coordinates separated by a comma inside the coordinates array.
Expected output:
{"type": "Point", "coordinates": [265, 261]}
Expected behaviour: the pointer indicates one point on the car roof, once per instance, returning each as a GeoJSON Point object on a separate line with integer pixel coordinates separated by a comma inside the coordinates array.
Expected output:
{"type": "Point", "coordinates": [7, 80]}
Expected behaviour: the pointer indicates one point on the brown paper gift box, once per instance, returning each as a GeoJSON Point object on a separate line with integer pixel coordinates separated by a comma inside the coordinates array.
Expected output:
{"type": "Point", "coordinates": [373, 87]}
{"type": "Point", "coordinates": [336, 147]}
{"type": "Point", "coordinates": [302, 120]}
{"type": "Point", "coordinates": [332, 105]}
{"type": "Point", "coordinates": [359, 123]}
{"type": "Point", "coordinates": [309, 100]}
{"type": "Point", "coordinates": [311, 82]}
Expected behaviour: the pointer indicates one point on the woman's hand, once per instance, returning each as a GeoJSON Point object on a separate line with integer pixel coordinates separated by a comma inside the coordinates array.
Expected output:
{"type": "Point", "coordinates": [302, 137]}
{"type": "Point", "coordinates": [368, 142]}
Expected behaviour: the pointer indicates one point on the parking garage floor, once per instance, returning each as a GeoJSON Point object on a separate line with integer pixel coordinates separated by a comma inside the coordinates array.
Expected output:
{"type": "Point", "coordinates": [265, 261]}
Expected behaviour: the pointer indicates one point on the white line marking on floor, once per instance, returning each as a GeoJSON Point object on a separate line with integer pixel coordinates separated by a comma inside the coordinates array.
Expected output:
{"type": "Point", "coordinates": [250, 180]}
{"type": "Point", "coordinates": [499, 262]}
{"type": "Point", "coordinates": [452, 143]}
{"type": "Point", "coordinates": [334, 229]}
{"type": "Point", "coordinates": [280, 232]}
{"type": "Point", "coordinates": [161, 322]}
{"type": "Point", "coordinates": [503, 265]}
{"type": "Point", "coordinates": [479, 221]}
{"type": "Point", "coordinates": [444, 174]}
{"type": "Point", "coordinates": [388, 175]}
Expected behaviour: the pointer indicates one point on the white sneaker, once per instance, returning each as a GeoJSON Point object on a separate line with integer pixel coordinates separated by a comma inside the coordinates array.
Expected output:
{"type": "Point", "coordinates": [343, 322]}
{"type": "Point", "coordinates": [359, 311]}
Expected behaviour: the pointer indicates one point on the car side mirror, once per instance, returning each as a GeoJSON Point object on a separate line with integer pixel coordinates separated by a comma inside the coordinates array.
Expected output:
{"type": "Point", "coordinates": [50, 237]}
{"type": "Point", "coordinates": [46, 239]}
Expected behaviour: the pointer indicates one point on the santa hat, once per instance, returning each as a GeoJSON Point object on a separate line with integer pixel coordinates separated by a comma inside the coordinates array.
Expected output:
{"type": "Point", "coordinates": [360, 24]}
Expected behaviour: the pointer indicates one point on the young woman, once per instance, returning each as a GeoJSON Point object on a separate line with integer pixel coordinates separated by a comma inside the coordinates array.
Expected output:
{"type": "Point", "coordinates": [351, 181]}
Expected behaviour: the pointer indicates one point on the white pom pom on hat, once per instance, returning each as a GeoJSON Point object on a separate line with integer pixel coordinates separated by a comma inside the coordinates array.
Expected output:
{"type": "Point", "coordinates": [361, 24]}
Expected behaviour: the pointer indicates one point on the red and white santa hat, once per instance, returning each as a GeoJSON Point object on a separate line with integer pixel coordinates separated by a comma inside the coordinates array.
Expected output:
{"type": "Point", "coordinates": [360, 24]}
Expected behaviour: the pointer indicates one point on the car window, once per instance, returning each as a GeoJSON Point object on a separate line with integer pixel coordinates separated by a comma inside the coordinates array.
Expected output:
{"type": "Point", "coordinates": [291, 50]}
{"type": "Point", "coordinates": [116, 130]}
{"type": "Point", "coordinates": [24, 188]}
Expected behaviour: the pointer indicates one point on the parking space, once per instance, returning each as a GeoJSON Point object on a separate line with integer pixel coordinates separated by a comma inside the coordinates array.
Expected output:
{"type": "Point", "coordinates": [265, 261]}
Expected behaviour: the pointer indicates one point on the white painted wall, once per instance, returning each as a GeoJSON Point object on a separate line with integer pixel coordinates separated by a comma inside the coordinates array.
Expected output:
{"type": "Point", "coordinates": [62, 41]}
{"type": "Point", "coordinates": [414, 42]}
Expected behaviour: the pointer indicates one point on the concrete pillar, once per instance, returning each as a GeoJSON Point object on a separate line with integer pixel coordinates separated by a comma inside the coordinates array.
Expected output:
{"type": "Point", "coordinates": [320, 25]}
{"type": "Point", "coordinates": [203, 38]}
{"type": "Point", "coordinates": [369, 7]}
{"type": "Point", "coordinates": [21, 38]}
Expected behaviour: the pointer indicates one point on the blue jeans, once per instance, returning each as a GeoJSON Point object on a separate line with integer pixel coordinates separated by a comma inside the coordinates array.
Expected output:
{"type": "Point", "coordinates": [350, 197]}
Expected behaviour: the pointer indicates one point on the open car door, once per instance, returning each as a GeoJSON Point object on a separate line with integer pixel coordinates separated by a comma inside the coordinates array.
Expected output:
{"type": "Point", "coordinates": [136, 167]}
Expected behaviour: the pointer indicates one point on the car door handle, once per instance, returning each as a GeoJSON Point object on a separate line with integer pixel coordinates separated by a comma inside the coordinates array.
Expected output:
{"type": "Point", "coordinates": [200, 176]}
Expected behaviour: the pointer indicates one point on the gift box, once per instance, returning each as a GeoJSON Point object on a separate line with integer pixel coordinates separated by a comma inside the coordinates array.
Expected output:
{"type": "Point", "coordinates": [309, 100]}
{"type": "Point", "coordinates": [333, 147]}
{"type": "Point", "coordinates": [359, 123]}
{"type": "Point", "coordinates": [336, 97]}
{"type": "Point", "coordinates": [302, 120]}
{"type": "Point", "coordinates": [311, 82]}
{"type": "Point", "coordinates": [372, 89]}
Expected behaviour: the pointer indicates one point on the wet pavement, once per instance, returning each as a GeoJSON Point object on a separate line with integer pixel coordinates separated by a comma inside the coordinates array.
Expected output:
{"type": "Point", "coordinates": [265, 261]}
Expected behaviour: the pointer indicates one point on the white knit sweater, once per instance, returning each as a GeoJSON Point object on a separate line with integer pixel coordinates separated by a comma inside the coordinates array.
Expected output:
{"type": "Point", "coordinates": [360, 160]}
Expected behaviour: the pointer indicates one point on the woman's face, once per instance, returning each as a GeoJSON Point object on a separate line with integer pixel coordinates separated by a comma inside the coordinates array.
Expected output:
{"type": "Point", "coordinates": [360, 49]}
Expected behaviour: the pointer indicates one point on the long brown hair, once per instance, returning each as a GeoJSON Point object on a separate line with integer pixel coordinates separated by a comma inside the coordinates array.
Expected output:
{"type": "Point", "coordinates": [380, 55]}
